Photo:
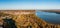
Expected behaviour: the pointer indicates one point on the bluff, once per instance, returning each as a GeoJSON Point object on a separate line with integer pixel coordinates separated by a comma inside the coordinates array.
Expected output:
{"type": "Point", "coordinates": [27, 19]}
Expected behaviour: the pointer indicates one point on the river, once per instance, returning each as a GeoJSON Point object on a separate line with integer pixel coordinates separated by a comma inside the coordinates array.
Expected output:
{"type": "Point", "coordinates": [49, 17]}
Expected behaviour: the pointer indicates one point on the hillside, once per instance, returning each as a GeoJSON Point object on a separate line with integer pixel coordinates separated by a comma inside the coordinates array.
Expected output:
{"type": "Point", "coordinates": [27, 20]}
{"type": "Point", "coordinates": [53, 11]}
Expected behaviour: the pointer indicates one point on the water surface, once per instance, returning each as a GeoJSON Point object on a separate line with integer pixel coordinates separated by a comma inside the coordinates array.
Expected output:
{"type": "Point", "coordinates": [49, 17]}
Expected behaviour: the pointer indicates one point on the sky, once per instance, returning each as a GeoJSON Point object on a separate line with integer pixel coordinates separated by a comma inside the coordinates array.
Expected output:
{"type": "Point", "coordinates": [30, 4]}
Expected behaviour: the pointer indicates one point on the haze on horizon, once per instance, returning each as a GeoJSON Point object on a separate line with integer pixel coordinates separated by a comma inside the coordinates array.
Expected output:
{"type": "Point", "coordinates": [30, 4]}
